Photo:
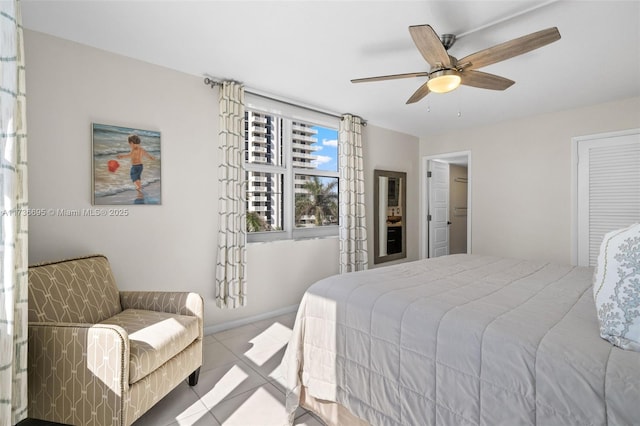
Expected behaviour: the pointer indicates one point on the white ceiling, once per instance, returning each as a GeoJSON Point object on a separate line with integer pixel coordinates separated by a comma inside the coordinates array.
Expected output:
{"type": "Point", "coordinates": [308, 51]}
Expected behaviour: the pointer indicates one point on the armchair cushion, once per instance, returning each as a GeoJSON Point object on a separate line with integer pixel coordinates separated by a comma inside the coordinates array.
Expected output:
{"type": "Point", "coordinates": [81, 291]}
{"type": "Point", "coordinates": [154, 338]}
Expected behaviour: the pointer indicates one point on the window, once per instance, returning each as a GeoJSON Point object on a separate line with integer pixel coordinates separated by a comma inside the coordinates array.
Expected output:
{"type": "Point", "coordinates": [291, 163]}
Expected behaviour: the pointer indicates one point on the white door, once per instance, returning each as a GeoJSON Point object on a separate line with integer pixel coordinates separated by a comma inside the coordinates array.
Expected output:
{"type": "Point", "coordinates": [438, 214]}
{"type": "Point", "coordinates": [608, 190]}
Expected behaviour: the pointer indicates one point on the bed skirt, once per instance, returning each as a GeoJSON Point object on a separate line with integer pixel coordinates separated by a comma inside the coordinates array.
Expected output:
{"type": "Point", "coordinates": [332, 413]}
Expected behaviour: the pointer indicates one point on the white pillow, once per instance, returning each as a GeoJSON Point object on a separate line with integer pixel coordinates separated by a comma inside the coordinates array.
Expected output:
{"type": "Point", "coordinates": [616, 287]}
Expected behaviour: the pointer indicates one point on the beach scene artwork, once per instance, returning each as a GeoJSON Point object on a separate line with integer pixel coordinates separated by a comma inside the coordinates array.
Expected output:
{"type": "Point", "coordinates": [126, 165]}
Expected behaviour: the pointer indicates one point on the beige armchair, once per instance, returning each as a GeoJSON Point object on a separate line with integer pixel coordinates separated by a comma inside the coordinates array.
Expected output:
{"type": "Point", "coordinates": [99, 356]}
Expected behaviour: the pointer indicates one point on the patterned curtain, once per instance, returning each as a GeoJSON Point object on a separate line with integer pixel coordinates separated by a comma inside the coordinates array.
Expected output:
{"type": "Point", "coordinates": [13, 227]}
{"type": "Point", "coordinates": [353, 230]}
{"type": "Point", "coordinates": [231, 285]}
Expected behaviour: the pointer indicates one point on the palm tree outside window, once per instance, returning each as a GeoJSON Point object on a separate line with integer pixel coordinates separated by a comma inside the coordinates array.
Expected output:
{"type": "Point", "coordinates": [317, 202]}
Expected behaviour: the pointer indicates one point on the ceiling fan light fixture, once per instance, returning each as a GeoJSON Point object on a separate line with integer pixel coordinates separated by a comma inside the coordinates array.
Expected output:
{"type": "Point", "coordinates": [444, 81]}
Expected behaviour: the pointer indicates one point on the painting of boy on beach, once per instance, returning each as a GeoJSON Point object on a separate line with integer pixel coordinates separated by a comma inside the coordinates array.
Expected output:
{"type": "Point", "coordinates": [126, 165]}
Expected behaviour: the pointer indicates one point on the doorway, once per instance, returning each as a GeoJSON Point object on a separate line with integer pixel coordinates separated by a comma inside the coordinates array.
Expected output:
{"type": "Point", "coordinates": [446, 206]}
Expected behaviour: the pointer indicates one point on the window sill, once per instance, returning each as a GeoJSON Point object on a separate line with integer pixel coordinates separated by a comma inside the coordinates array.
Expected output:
{"type": "Point", "coordinates": [302, 238]}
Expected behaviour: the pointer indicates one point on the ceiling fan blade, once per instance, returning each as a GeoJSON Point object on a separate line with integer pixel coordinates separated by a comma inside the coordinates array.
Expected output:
{"type": "Point", "coordinates": [390, 77]}
{"type": "Point", "coordinates": [429, 45]}
{"type": "Point", "coordinates": [511, 48]}
{"type": "Point", "coordinates": [419, 94]}
{"type": "Point", "coordinates": [485, 80]}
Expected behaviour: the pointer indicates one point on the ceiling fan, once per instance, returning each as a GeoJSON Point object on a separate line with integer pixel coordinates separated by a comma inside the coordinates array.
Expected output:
{"type": "Point", "coordinates": [447, 72]}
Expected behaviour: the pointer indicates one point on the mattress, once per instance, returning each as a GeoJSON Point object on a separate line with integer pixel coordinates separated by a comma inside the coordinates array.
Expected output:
{"type": "Point", "coordinates": [461, 340]}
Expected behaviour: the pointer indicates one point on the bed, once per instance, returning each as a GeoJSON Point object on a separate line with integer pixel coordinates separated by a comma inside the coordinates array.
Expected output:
{"type": "Point", "coordinates": [459, 340]}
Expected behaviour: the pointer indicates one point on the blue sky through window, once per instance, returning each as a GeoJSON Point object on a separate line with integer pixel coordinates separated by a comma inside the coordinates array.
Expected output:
{"type": "Point", "coordinates": [327, 149]}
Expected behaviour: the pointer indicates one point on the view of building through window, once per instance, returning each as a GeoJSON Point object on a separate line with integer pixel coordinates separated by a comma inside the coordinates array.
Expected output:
{"type": "Point", "coordinates": [284, 155]}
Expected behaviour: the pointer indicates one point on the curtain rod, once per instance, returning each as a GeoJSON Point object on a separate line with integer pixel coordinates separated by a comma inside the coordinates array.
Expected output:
{"type": "Point", "coordinates": [211, 82]}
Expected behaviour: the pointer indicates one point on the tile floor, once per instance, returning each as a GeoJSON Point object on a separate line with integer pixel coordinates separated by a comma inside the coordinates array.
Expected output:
{"type": "Point", "coordinates": [239, 382]}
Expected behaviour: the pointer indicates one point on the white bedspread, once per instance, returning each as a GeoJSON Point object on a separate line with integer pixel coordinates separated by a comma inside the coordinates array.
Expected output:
{"type": "Point", "coordinates": [462, 340]}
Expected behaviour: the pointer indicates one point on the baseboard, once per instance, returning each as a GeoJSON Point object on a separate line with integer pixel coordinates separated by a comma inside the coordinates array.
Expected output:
{"type": "Point", "coordinates": [212, 329]}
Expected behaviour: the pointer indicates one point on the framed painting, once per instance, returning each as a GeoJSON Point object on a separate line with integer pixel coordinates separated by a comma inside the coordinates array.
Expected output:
{"type": "Point", "coordinates": [126, 165]}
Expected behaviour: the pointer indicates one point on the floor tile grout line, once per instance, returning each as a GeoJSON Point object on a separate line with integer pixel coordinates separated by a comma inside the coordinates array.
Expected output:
{"type": "Point", "coordinates": [268, 379]}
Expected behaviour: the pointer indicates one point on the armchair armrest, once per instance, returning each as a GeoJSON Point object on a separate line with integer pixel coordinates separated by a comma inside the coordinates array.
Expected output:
{"type": "Point", "coordinates": [67, 361]}
{"type": "Point", "coordinates": [182, 303]}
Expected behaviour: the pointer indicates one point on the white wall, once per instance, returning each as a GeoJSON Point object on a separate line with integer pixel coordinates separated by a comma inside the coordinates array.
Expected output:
{"type": "Point", "coordinates": [521, 177]}
{"type": "Point", "coordinates": [172, 246]}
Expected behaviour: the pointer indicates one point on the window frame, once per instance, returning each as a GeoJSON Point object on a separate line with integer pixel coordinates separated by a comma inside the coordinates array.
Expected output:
{"type": "Point", "coordinates": [290, 113]}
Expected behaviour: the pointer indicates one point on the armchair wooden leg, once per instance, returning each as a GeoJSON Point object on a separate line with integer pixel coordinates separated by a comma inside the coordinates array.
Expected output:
{"type": "Point", "coordinates": [193, 377]}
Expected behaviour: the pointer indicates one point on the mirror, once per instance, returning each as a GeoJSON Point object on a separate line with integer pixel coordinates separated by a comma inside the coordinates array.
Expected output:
{"type": "Point", "coordinates": [390, 207]}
